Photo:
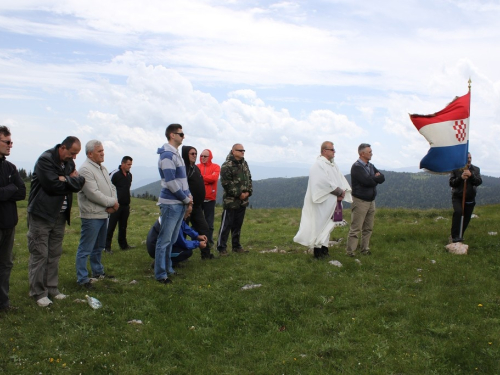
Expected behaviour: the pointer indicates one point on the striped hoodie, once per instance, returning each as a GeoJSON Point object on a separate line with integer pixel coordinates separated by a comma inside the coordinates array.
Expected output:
{"type": "Point", "coordinates": [174, 185]}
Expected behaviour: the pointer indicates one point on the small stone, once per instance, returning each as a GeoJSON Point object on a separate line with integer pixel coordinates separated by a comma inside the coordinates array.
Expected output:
{"type": "Point", "coordinates": [251, 286]}
{"type": "Point", "coordinates": [135, 321]}
{"type": "Point", "coordinates": [335, 263]}
{"type": "Point", "coordinates": [457, 248]}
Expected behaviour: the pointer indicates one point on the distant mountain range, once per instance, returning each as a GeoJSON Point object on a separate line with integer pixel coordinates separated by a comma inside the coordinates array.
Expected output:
{"type": "Point", "coordinates": [400, 189]}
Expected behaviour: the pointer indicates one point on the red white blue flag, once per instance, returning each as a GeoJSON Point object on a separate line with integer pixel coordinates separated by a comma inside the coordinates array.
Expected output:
{"type": "Point", "coordinates": [447, 132]}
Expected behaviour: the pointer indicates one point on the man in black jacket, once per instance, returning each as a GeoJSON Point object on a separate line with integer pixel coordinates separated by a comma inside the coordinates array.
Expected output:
{"type": "Point", "coordinates": [122, 179]}
{"type": "Point", "coordinates": [54, 181]}
{"type": "Point", "coordinates": [12, 189]}
{"type": "Point", "coordinates": [197, 189]}
{"type": "Point", "coordinates": [364, 180]}
{"type": "Point", "coordinates": [472, 175]}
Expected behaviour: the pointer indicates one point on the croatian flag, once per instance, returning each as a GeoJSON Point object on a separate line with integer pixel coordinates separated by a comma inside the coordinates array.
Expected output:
{"type": "Point", "coordinates": [447, 132]}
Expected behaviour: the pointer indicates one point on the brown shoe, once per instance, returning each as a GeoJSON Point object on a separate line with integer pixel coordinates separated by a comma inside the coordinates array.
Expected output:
{"type": "Point", "coordinates": [240, 250]}
{"type": "Point", "coordinates": [223, 253]}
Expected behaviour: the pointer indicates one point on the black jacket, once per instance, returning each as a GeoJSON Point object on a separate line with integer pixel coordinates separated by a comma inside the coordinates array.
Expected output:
{"type": "Point", "coordinates": [47, 191]}
{"type": "Point", "coordinates": [194, 177]}
{"type": "Point", "coordinates": [364, 184]}
{"type": "Point", "coordinates": [457, 184]}
{"type": "Point", "coordinates": [122, 184]}
{"type": "Point", "coordinates": [12, 189]}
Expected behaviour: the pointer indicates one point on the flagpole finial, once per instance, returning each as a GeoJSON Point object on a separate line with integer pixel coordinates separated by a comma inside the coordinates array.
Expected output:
{"type": "Point", "coordinates": [469, 83]}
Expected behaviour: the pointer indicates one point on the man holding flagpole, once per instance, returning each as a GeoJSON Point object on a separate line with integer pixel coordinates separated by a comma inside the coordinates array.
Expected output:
{"type": "Point", "coordinates": [447, 132]}
{"type": "Point", "coordinates": [468, 178]}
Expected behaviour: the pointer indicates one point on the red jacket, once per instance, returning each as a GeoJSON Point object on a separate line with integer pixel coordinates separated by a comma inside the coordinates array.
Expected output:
{"type": "Point", "coordinates": [210, 172]}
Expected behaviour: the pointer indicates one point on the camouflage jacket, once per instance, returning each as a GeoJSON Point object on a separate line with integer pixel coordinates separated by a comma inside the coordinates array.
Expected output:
{"type": "Point", "coordinates": [235, 178]}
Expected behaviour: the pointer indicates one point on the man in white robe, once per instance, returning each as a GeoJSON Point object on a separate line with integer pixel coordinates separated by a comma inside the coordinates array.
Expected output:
{"type": "Point", "coordinates": [325, 188]}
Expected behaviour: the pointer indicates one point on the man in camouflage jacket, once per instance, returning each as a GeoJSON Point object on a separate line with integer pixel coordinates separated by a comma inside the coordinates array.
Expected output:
{"type": "Point", "coordinates": [236, 181]}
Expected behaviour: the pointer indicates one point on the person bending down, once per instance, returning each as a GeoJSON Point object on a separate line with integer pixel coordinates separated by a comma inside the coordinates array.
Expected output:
{"type": "Point", "coordinates": [183, 248]}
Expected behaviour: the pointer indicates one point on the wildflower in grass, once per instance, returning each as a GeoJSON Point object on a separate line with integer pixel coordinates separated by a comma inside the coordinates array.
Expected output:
{"type": "Point", "coordinates": [480, 305]}
{"type": "Point", "coordinates": [490, 343]}
{"type": "Point", "coordinates": [51, 360]}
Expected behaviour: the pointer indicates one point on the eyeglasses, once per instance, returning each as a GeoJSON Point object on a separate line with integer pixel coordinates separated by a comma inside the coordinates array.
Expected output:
{"type": "Point", "coordinates": [330, 149]}
{"type": "Point", "coordinates": [203, 156]}
{"type": "Point", "coordinates": [240, 150]}
{"type": "Point", "coordinates": [181, 134]}
{"type": "Point", "coordinates": [193, 153]}
{"type": "Point", "coordinates": [8, 143]}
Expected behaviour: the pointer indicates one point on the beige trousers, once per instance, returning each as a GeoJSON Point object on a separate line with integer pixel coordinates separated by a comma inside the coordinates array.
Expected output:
{"type": "Point", "coordinates": [362, 219]}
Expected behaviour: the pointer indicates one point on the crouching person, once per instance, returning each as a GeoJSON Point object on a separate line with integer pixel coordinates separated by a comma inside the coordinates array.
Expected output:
{"type": "Point", "coordinates": [183, 248]}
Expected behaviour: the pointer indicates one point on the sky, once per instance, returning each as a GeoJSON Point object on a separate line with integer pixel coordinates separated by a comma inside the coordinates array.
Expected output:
{"type": "Point", "coordinates": [280, 77]}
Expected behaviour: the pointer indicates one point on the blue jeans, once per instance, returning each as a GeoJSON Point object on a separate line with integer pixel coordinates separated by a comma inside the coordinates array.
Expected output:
{"type": "Point", "coordinates": [171, 219]}
{"type": "Point", "coordinates": [92, 242]}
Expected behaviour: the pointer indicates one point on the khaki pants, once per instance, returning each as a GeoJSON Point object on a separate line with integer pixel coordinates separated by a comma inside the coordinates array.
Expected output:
{"type": "Point", "coordinates": [362, 218]}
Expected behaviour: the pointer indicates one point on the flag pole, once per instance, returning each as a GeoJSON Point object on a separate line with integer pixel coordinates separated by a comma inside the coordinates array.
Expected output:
{"type": "Point", "coordinates": [465, 180]}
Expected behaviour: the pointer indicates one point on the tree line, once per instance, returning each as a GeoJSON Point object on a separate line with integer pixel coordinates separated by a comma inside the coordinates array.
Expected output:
{"type": "Point", "coordinates": [400, 190]}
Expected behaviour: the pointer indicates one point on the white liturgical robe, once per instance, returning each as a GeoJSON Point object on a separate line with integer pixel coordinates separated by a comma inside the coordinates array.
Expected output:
{"type": "Point", "coordinates": [316, 222]}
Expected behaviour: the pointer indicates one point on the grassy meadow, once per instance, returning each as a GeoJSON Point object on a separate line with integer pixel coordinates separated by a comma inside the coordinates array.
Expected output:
{"type": "Point", "coordinates": [410, 308]}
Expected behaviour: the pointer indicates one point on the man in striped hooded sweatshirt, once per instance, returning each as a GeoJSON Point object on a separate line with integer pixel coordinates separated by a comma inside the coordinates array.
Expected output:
{"type": "Point", "coordinates": [174, 197]}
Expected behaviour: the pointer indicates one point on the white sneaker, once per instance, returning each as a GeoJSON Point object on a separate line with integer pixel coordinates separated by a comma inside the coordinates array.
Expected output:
{"type": "Point", "coordinates": [60, 296]}
{"type": "Point", "coordinates": [44, 302]}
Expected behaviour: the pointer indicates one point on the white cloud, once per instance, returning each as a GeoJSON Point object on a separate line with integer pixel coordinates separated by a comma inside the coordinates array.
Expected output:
{"type": "Point", "coordinates": [346, 70]}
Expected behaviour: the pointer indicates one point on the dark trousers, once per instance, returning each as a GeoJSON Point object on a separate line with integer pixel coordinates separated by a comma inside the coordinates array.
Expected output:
{"type": "Point", "coordinates": [179, 255]}
{"type": "Point", "coordinates": [120, 217]}
{"type": "Point", "coordinates": [457, 217]}
{"type": "Point", "coordinates": [199, 224]}
{"type": "Point", "coordinates": [232, 221]}
{"type": "Point", "coordinates": [45, 239]}
{"type": "Point", "coordinates": [209, 212]}
{"type": "Point", "coordinates": [6, 245]}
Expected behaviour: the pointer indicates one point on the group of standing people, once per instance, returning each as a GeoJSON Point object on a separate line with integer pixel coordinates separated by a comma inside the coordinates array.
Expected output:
{"type": "Point", "coordinates": [191, 187]}
{"type": "Point", "coordinates": [188, 192]}
{"type": "Point", "coordinates": [327, 188]}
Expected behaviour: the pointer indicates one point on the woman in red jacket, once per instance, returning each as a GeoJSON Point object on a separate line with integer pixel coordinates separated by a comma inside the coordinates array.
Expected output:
{"type": "Point", "coordinates": [210, 172]}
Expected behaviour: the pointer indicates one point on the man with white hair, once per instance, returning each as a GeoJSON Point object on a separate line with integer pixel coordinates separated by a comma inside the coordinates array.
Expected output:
{"type": "Point", "coordinates": [97, 200]}
{"type": "Point", "coordinates": [326, 189]}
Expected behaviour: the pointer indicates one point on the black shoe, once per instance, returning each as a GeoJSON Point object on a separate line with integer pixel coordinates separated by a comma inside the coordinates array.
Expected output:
{"type": "Point", "coordinates": [366, 252]}
{"type": "Point", "coordinates": [128, 247]}
{"type": "Point", "coordinates": [165, 281]}
{"type": "Point", "coordinates": [457, 239]}
{"type": "Point", "coordinates": [7, 309]}
{"type": "Point", "coordinates": [88, 285]}
{"type": "Point", "coordinates": [324, 251]}
{"type": "Point", "coordinates": [223, 253]}
{"type": "Point", "coordinates": [318, 254]}
{"type": "Point", "coordinates": [352, 255]}
{"type": "Point", "coordinates": [207, 256]}
{"type": "Point", "coordinates": [108, 250]}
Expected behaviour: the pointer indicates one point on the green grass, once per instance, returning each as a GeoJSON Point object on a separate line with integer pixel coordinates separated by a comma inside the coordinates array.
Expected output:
{"type": "Point", "coordinates": [397, 312]}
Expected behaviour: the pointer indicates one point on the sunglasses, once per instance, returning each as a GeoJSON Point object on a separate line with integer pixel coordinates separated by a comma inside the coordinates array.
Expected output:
{"type": "Point", "coordinates": [240, 150]}
{"type": "Point", "coordinates": [8, 143]}
{"type": "Point", "coordinates": [203, 156]}
{"type": "Point", "coordinates": [181, 134]}
{"type": "Point", "coordinates": [193, 153]}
